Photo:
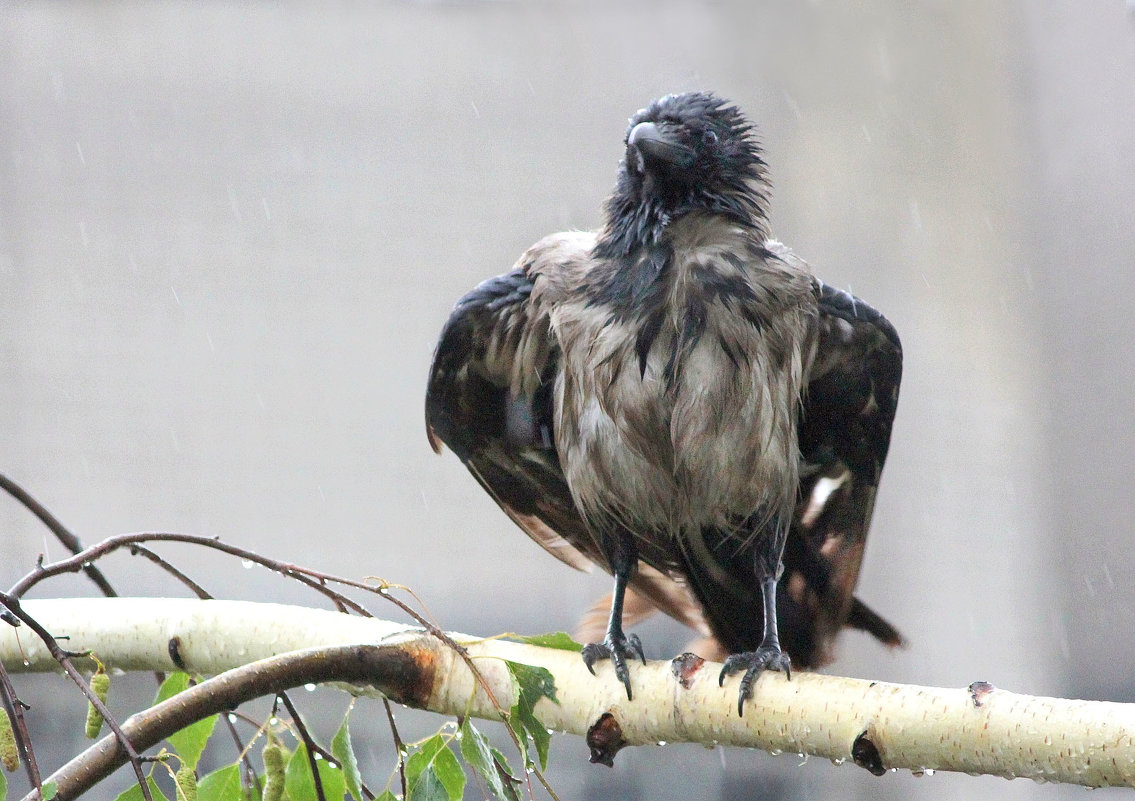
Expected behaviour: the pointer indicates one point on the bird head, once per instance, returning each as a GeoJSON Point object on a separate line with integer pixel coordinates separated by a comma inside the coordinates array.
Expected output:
{"type": "Point", "coordinates": [692, 152]}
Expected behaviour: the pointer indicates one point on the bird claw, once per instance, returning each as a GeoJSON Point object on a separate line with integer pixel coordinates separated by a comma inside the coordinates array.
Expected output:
{"type": "Point", "coordinates": [615, 648]}
{"type": "Point", "coordinates": [767, 657]}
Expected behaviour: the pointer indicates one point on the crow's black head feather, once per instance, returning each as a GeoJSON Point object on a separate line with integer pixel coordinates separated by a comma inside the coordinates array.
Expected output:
{"type": "Point", "coordinates": [692, 152]}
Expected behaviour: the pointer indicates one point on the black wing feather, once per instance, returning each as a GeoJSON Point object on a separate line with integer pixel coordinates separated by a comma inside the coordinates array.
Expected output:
{"type": "Point", "coordinates": [504, 439]}
{"type": "Point", "coordinates": [844, 435]}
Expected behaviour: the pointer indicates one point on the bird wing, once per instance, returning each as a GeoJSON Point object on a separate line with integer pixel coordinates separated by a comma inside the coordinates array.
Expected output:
{"type": "Point", "coordinates": [844, 433]}
{"type": "Point", "coordinates": [489, 398]}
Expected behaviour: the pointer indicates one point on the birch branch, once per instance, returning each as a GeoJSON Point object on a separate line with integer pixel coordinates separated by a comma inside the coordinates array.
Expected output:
{"type": "Point", "coordinates": [979, 729]}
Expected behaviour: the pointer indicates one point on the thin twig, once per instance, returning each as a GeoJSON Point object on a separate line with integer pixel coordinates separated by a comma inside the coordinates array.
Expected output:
{"type": "Point", "coordinates": [15, 709]}
{"type": "Point", "coordinates": [194, 587]}
{"type": "Point", "coordinates": [399, 747]}
{"type": "Point", "coordinates": [309, 743]}
{"type": "Point", "coordinates": [250, 777]}
{"type": "Point", "coordinates": [62, 533]}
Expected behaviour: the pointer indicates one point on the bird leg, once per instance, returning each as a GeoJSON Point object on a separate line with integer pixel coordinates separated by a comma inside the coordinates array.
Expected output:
{"type": "Point", "coordinates": [616, 645]}
{"type": "Point", "coordinates": [767, 656]}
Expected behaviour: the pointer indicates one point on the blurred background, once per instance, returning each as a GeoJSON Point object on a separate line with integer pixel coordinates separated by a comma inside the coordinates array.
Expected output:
{"type": "Point", "coordinates": [230, 234]}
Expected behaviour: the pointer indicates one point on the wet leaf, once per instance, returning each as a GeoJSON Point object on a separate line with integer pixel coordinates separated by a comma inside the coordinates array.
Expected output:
{"type": "Point", "coordinates": [222, 784]}
{"type": "Point", "coordinates": [190, 742]}
{"type": "Point", "coordinates": [559, 640]}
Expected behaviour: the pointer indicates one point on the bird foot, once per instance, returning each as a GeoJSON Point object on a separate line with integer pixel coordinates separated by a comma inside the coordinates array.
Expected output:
{"type": "Point", "coordinates": [767, 657]}
{"type": "Point", "coordinates": [615, 647]}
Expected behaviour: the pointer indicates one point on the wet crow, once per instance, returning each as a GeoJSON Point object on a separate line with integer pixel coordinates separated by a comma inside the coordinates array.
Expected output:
{"type": "Point", "coordinates": [677, 399]}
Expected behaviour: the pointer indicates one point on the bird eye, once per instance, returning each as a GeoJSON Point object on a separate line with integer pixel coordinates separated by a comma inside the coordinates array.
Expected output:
{"type": "Point", "coordinates": [709, 136]}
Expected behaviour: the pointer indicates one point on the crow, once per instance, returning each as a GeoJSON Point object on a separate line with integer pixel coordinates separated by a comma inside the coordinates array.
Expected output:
{"type": "Point", "coordinates": [677, 399]}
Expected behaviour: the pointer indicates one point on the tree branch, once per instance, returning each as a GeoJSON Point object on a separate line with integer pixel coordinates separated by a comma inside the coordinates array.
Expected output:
{"type": "Point", "coordinates": [978, 729]}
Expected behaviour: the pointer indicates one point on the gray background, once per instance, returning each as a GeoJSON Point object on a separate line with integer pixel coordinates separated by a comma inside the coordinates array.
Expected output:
{"type": "Point", "coordinates": [229, 235]}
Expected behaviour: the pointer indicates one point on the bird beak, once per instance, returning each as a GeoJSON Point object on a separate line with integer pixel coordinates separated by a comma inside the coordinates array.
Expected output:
{"type": "Point", "coordinates": [652, 143]}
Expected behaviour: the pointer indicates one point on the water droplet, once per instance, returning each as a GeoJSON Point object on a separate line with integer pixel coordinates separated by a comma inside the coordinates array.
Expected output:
{"type": "Point", "coordinates": [838, 761]}
{"type": "Point", "coordinates": [309, 687]}
{"type": "Point", "coordinates": [232, 718]}
{"type": "Point", "coordinates": [273, 721]}
{"type": "Point", "coordinates": [661, 742]}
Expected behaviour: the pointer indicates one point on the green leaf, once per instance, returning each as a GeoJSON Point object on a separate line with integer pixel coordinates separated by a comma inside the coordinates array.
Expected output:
{"type": "Point", "coordinates": [512, 784]}
{"type": "Point", "coordinates": [429, 787]}
{"type": "Point", "coordinates": [342, 751]}
{"type": "Point", "coordinates": [132, 794]}
{"type": "Point", "coordinates": [420, 759]}
{"type": "Point", "coordinates": [478, 754]}
{"type": "Point", "coordinates": [50, 789]}
{"type": "Point", "coordinates": [533, 683]}
{"type": "Point", "coordinates": [433, 772]}
{"type": "Point", "coordinates": [299, 784]}
{"type": "Point", "coordinates": [190, 742]}
{"type": "Point", "coordinates": [449, 771]}
{"type": "Point", "coordinates": [559, 640]}
{"type": "Point", "coordinates": [222, 784]}
{"type": "Point", "coordinates": [387, 796]}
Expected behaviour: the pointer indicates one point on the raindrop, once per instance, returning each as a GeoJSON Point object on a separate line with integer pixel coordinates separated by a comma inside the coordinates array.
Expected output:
{"type": "Point", "coordinates": [661, 742]}
{"type": "Point", "coordinates": [837, 761]}
{"type": "Point", "coordinates": [82, 159]}
{"type": "Point", "coordinates": [247, 564]}
{"type": "Point", "coordinates": [309, 687]}
{"type": "Point", "coordinates": [176, 299]}
{"type": "Point", "coordinates": [273, 721]}
{"type": "Point", "coordinates": [318, 755]}
{"type": "Point", "coordinates": [232, 718]}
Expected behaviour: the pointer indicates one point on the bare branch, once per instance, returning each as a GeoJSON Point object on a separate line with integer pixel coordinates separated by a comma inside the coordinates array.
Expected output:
{"type": "Point", "coordinates": [977, 729]}
{"type": "Point", "coordinates": [62, 533]}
